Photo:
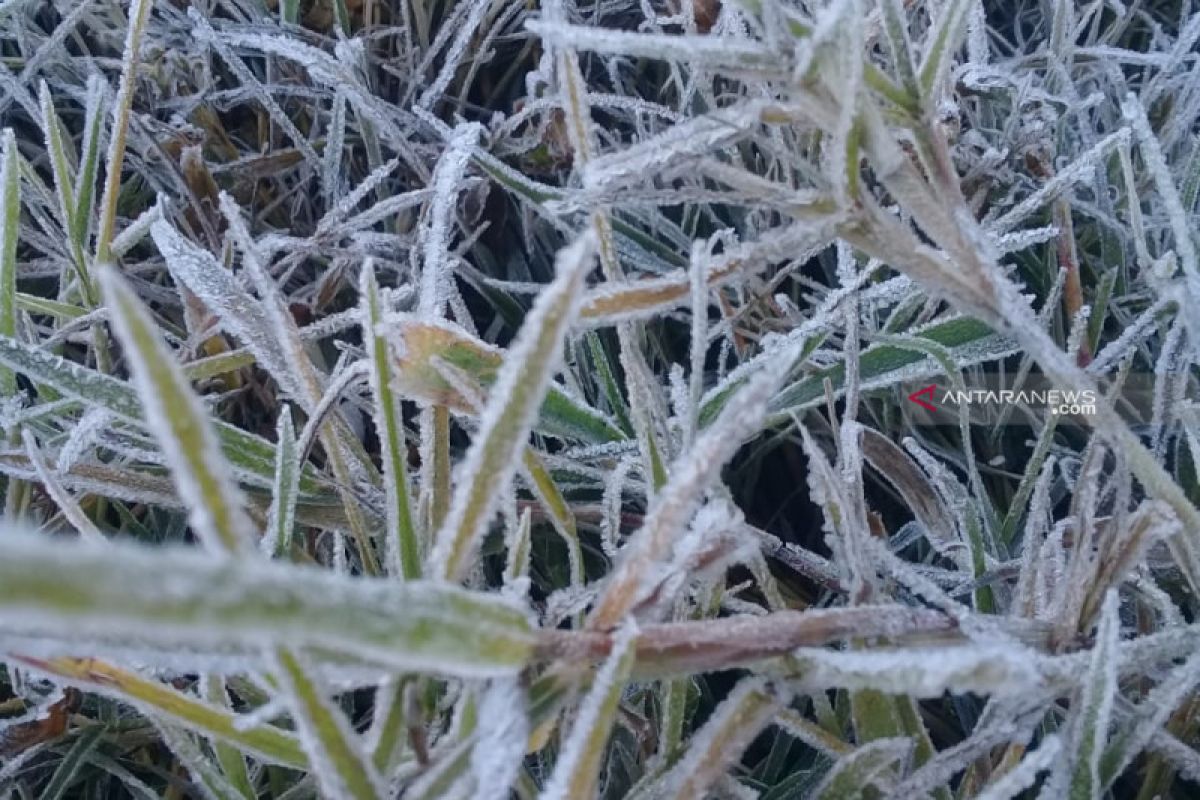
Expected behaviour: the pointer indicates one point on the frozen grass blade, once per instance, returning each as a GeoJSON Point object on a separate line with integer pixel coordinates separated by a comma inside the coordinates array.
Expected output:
{"type": "Point", "coordinates": [577, 770]}
{"type": "Point", "coordinates": [180, 597]}
{"type": "Point", "coordinates": [673, 508]}
{"type": "Point", "coordinates": [281, 517]}
{"type": "Point", "coordinates": [10, 228]}
{"type": "Point", "coordinates": [139, 13]}
{"type": "Point", "coordinates": [253, 456]}
{"type": "Point", "coordinates": [510, 413]}
{"type": "Point", "coordinates": [1090, 730]}
{"type": "Point", "coordinates": [733, 725]}
{"type": "Point", "coordinates": [420, 345]}
{"type": "Point", "coordinates": [205, 772]}
{"type": "Point", "coordinates": [339, 760]}
{"type": "Point", "coordinates": [179, 422]}
{"type": "Point", "coordinates": [70, 509]}
{"type": "Point", "coordinates": [868, 766]}
{"type": "Point", "coordinates": [265, 742]}
{"type": "Point", "coordinates": [402, 547]}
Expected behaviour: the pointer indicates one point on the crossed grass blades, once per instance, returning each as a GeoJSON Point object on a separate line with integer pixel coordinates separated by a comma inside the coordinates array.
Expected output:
{"type": "Point", "coordinates": [489, 399]}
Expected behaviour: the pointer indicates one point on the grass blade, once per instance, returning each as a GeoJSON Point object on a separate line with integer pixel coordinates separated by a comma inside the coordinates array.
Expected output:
{"type": "Point", "coordinates": [281, 517]}
{"type": "Point", "coordinates": [179, 422]}
{"type": "Point", "coordinates": [403, 549]}
{"type": "Point", "coordinates": [253, 456]}
{"type": "Point", "coordinates": [177, 596]}
{"type": "Point", "coordinates": [577, 770]}
{"type": "Point", "coordinates": [264, 742]}
{"type": "Point", "coordinates": [341, 764]}
{"type": "Point", "coordinates": [419, 344]}
{"type": "Point", "coordinates": [510, 413]}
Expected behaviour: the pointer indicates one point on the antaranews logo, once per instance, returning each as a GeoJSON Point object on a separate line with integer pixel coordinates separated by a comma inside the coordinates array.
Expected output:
{"type": "Point", "coordinates": [994, 399]}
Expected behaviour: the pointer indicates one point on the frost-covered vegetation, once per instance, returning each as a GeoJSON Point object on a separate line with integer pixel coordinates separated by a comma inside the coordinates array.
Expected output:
{"type": "Point", "coordinates": [491, 399]}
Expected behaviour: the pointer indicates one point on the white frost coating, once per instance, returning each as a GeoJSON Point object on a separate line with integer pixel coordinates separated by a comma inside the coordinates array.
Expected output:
{"type": "Point", "coordinates": [450, 64]}
{"type": "Point", "coordinates": [711, 50]}
{"type": "Point", "coordinates": [82, 436]}
{"type": "Point", "coordinates": [520, 378]}
{"type": "Point", "coordinates": [987, 669]}
{"type": "Point", "coordinates": [240, 314]}
{"type": "Point", "coordinates": [686, 140]}
{"type": "Point", "coordinates": [70, 509]}
{"type": "Point", "coordinates": [127, 315]}
{"type": "Point", "coordinates": [1081, 169]}
{"type": "Point", "coordinates": [593, 721]}
{"type": "Point", "coordinates": [500, 738]}
{"type": "Point", "coordinates": [1024, 774]}
{"type": "Point", "coordinates": [436, 265]}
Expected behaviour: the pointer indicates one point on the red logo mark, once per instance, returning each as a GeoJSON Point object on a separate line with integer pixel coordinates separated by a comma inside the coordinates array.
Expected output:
{"type": "Point", "coordinates": [927, 391]}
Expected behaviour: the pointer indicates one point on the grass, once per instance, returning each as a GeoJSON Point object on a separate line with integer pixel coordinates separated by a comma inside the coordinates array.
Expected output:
{"type": "Point", "coordinates": [442, 400]}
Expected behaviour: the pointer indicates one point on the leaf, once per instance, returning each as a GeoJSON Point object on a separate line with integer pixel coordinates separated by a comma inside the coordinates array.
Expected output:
{"type": "Point", "coordinates": [10, 228]}
{"type": "Point", "coordinates": [721, 741]}
{"type": "Point", "coordinates": [252, 455]}
{"type": "Point", "coordinates": [633, 578]}
{"type": "Point", "coordinates": [418, 343]}
{"type": "Point", "coordinates": [577, 769]}
{"type": "Point", "coordinates": [66, 504]}
{"type": "Point", "coordinates": [264, 741]}
{"type": "Point", "coordinates": [68, 768]}
{"type": "Point", "coordinates": [170, 597]}
{"type": "Point", "coordinates": [510, 413]}
{"type": "Point", "coordinates": [281, 516]}
{"type": "Point", "coordinates": [179, 422]}
{"type": "Point", "coordinates": [139, 13]}
{"type": "Point", "coordinates": [864, 767]}
{"type": "Point", "coordinates": [403, 548]}
{"type": "Point", "coordinates": [1090, 729]}
{"type": "Point", "coordinates": [944, 39]}
{"type": "Point", "coordinates": [339, 761]}
{"type": "Point", "coordinates": [1023, 775]}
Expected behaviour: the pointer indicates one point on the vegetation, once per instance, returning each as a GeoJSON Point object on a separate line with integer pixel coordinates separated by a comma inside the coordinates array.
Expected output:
{"type": "Point", "coordinates": [486, 399]}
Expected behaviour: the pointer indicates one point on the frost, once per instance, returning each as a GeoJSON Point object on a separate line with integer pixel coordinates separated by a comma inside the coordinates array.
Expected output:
{"type": "Point", "coordinates": [500, 740]}
{"type": "Point", "coordinates": [436, 269]}
{"type": "Point", "coordinates": [1001, 670]}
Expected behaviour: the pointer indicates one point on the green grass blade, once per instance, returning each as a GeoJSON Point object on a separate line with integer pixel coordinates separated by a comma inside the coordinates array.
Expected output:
{"type": "Point", "coordinates": [180, 596]}
{"type": "Point", "coordinates": [263, 741]}
{"type": "Point", "coordinates": [230, 759]}
{"type": "Point", "coordinates": [181, 425]}
{"type": "Point", "coordinates": [403, 548]}
{"type": "Point", "coordinates": [254, 456]}
{"type": "Point", "coordinates": [340, 763]}
{"type": "Point", "coordinates": [943, 41]}
{"type": "Point", "coordinates": [10, 226]}
{"type": "Point", "coordinates": [281, 516]}
{"type": "Point", "coordinates": [510, 413]}
{"type": "Point", "coordinates": [89, 163]}
{"type": "Point", "coordinates": [68, 768]}
{"type": "Point", "coordinates": [577, 770]}
{"type": "Point", "coordinates": [139, 13]}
